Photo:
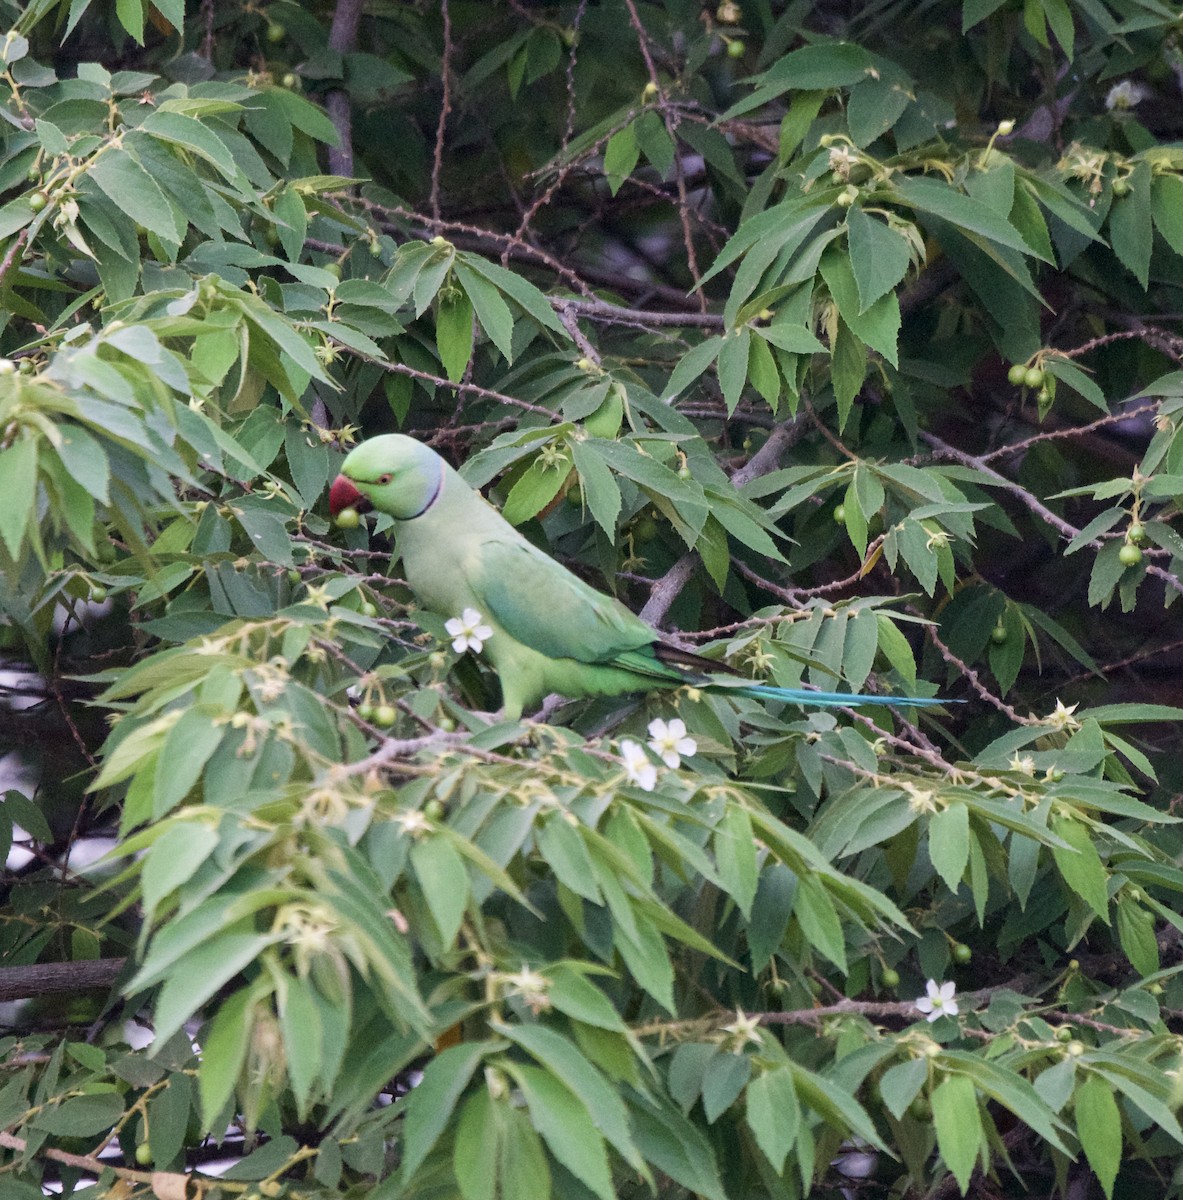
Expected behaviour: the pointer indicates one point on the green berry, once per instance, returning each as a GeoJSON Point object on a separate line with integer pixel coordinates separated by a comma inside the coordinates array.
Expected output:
{"type": "Point", "coordinates": [1017, 374]}
{"type": "Point", "coordinates": [1129, 555]}
{"type": "Point", "coordinates": [365, 711]}
{"type": "Point", "coordinates": [348, 518]}
{"type": "Point", "coordinates": [447, 724]}
{"type": "Point", "coordinates": [38, 201]}
{"type": "Point", "coordinates": [1121, 186]}
{"type": "Point", "coordinates": [890, 978]}
{"type": "Point", "coordinates": [846, 197]}
{"type": "Point", "coordinates": [684, 472]}
{"type": "Point", "coordinates": [275, 32]}
{"type": "Point", "coordinates": [736, 48]}
{"type": "Point", "coordinates": [434, 810]}
{"type": "Point", "coordinates": [384, 716]}
{"type": "Point", "coordinates": [294, 576]}
{"type": "Point", "coordinates": [998, 634]}
{"type": "Point", "coordinates": [1033, 377]}
{"type": "Point", "coordinates": [25, 366]}
{"type": "Point", "coordinates": [143, 1154]}
{"type": "Point", "coordinates": [1136, 534]}
{"type": "Point", "coordinates": [1064, 1033]}
{"type": "Point", "coordinates": [98, 593]}
{"type": "Point", "coordinates": [840, 514]}
{"type": "Point", "coordinates": [961, 953]}
{"type": "Point", "coordinates": [291, 81]}
{"type": "Point", "coordinates": [1155, 989]}
{"type": "Point", "coordinates": [644, 529]}
{"type": "Point", "coordinates": [368, 610]}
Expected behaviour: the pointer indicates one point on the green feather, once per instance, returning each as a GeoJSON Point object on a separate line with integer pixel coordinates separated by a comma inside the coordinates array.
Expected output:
{"type": "Point", "coordinates": [551, 631]}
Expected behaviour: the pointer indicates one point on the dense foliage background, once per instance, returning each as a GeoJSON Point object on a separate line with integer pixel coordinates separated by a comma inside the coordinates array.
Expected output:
{"type": "Point", "coordinates": [842, 341]}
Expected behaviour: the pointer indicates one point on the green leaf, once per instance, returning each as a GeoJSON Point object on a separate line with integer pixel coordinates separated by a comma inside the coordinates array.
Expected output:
{"type": "Point", "coordinates": [190, 744]}
{"type": "Point", "coordinates": [1135, 932]}
{"type": "Point", "coordinates": [735, 857]}
{"type": "Point", "coordinates": [878, 255]}
{"type": "Point", "coordinates": [773, 1114]}
{"type": "Point", "coordinates": [691, 365]}
{"type": "Point", "coordinates": [566, 1126]}
{"type": "Point", "coordinates": [948, 843]}
{"type": "Point", "coordinates": [901, 1084]}
{"type": "Point", "coordinates": [733, 366]}
{"type": "Point", "coordinates": [431, 1104]}
{"type": "Point", "coordinates": [572, 993]}
{"type": "Point", "coordinates": [453, 334]}
{"type": "Point", "coordinates": [168, 1118]}
{"type": "Point", "coordinates": [621, 156]}
{"type": "Point", "coordinates": [18, 491]}
{"type": "Point", "coordinates": [875, 105]}
{"type": "Point", "coordinates": [931, 196]}
{"type": "Point", "coordinates": [1130, 219]}
{"type": "Point", "coordinates": [224, 1047]}
{"type": "Point", "coordinates": [477, 1150]}
{"type": "Point", "coordinates": [563, 1060]}
{"type": "Point", "coordinates": [815, 913]}
{"type": "Point", "coordinates": [848, 369]}
{"type": "Point", "coordinates": [135, 192]}
{"type": "Point", "coordinates": [975, 11]}
{"type": "Point", "coordinates": [1098, 1125]}
{"type": "Point", "coordinates": [1166, 196]}
{"type": "Point", "coordinates": [491, 310]}
{"type": "Point", "coordinates": [879, 325]}
{"type": "Point", "coordinates": [443, 879]}
{"type": "Point", "coordinates": [173, 859]}
{"type": "Point", "coordinates": [601, 493]}
{"type": "Point", "coordinates": [533, 490]}
{"type": "Point", "coordinates": [1081, 866]}
{"type": "Point", "coordinates": [725, 1077]}
{"type": "Point", "coordinates": [81, 1116]}
{"type": "Point", "coordinates": [958, 1126]}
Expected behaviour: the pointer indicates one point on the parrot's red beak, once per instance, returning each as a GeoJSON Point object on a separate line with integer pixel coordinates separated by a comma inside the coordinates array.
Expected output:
{"type": "Point", "coordinates": [344, 495]}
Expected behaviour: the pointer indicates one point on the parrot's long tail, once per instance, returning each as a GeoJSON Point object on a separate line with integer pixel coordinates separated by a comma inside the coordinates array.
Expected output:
{"type": "Point", "coordinates": [811, 699]}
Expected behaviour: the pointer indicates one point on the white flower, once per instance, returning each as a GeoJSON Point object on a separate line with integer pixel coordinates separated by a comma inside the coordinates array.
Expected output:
{"type": "Point", "coordinates": [1024, 764]}
{"type": "Point", "coordinates": [1061, 717]}
{"type": "Point", "coordinates": [467, 632]}
{"type": "Point", "coordinates": [1125, 95]}
{"type": "Point", "coordinates": [669, 742]}
{"type": "Point", "coordinates": [637, 766]}
{"type": "Point", "coordinates": [939, 1000]}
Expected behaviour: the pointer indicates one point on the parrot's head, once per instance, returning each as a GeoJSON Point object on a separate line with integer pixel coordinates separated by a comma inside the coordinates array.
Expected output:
{"type": "Point", "coordinates": [392, 473]}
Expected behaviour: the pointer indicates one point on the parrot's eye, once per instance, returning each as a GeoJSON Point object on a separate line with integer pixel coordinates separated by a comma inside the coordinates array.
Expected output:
{"type": "Point", "coordinates": [384, 479]}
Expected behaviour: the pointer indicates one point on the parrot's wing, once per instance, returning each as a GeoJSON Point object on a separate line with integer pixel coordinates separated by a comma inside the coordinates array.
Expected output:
{"type": "Point", "coordinates": [541, 604]}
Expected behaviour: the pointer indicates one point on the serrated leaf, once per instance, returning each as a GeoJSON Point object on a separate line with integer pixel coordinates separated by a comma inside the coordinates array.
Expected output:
{"type": "Point", "coordinates": [878, 254]}
{"type": "Point", "coordinates": [773, 1114]}
{"type": "Point", "coordinates": [958, 1124]}
{"type": "Point", "coordinates": [1081, 865]}
{"type": "Point", "coordinates": [135, 192]}
{"type": "Point", "coordinates": [453, 334]}
{"type": "Point", "coordinates": [948, 843]}
{"type": "Point", "coordinates": [1098, 1125]}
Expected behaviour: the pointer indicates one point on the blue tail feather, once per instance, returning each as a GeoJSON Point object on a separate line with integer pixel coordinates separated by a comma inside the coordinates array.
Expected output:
{"type": "Point", "coordinates": [811, 699]}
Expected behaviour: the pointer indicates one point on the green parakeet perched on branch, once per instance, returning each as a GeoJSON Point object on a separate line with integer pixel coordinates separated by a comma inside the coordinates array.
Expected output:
{"type": "Point", "coordinates": [543, 629]}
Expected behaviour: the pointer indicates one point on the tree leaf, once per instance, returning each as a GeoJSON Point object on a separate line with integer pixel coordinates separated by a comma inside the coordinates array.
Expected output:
{"type": "Point", "coordinates": [958, 1126]}
{"type": "Point", "coordinates": [1098, 1125]}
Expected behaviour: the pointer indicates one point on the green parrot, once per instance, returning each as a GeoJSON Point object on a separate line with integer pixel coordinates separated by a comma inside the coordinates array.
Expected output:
{"type": "Point", "coordinates": [543, 629]}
